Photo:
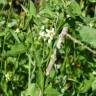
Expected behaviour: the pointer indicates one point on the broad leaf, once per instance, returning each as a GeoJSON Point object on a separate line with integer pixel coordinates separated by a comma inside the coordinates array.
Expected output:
{"type": "Point", "coordinates": [74, 9]}
{"type": "Point", "coordinates": [49, 91]}
{"type": "Point", "coordinates": [93, 1]}
{"type": "Point", "coordinates": [88, 35]}
{"type": "Point", "coordinates": [94, 85]}
{"type": "Point", "coordinates": [32, 10]}
{"type": "Point", "coordinates": [2, 34]}
{"type": "Point", "coordinates": [3, 2]}
{"type": "Point", "coordinates": [32, 91]}
{"type": "Point", "coordinates": [16, 49]}
{"type": "Point", "coordinates": [87, 84]}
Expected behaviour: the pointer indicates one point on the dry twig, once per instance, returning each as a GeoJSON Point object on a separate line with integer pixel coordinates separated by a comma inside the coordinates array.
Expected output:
{"type": "Point", "coordinates": [58, 46]}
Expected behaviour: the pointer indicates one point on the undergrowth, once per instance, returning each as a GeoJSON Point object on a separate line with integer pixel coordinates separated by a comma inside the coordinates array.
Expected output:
{"type": "Point", "coordinates": [29, 36]}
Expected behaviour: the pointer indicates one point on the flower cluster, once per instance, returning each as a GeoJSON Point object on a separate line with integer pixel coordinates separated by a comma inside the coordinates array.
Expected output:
{"type": "Point", "coordinates": [47, 34]}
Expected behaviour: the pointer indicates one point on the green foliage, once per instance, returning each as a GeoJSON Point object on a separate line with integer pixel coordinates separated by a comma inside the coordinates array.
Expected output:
{"type": "Point", "coordinates": [28, 36]}
{"type": "Point", "coordinates": [94, 1]}
{"type": "Point", "coordinates": [86, 85]}
{"type": "Point", "coordinates": [49, 91]}
{"type": "Point", "coordinates": [32, 91]}
{"type": "Point", "coordinates": [74, 9]}
{"type": "Point", "coordinates": [32, 10]}
{"type": "Point", "coordinates": [16, 49]}
{"type": "Point", "coordinates": [88, 35]}
{"type": "Point", "coordinates": [3, 2]}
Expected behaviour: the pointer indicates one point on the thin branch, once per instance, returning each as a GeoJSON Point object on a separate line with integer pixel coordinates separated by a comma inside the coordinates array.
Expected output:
{"type": "Point", "coordinates": [80, 43]}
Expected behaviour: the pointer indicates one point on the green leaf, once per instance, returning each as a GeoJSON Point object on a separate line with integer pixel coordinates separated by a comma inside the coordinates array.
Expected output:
{"type": "Point", "coordinates": [16, 49]}
{"type": "Point", "coordinates": [60, 22]}
{"type": "Point", "coordinates": [32, 91]}
{"type": "Point", "coordinates": [32, 10]}
{"type": "Point", "coordinates": [94, 85]}
{"type": "Point", "coordinates": [88, 35]}
{"type": "Point", "coordinates": [2, 34]}
{"type": "Point", "coordinates": [40, 79]}
{"type": "Point", "coordinates": [49, 91]}
{"type": "Point", "coordinates": [43, 4]}
{"type": "Point", "coordinates": [15, 36]}
{"type": "Point", "coordinates": [47, 13]}
{"type": "Point", "coordinates": [3, 2]}
{"type": "Point", "coordinates": [74, 9]}
{"type": "Point", "coordinates": [52, 73]}
{"type": "Point", "coordinates": [93, 1]}
{"type": "Point", "coordinates": [86, 85]}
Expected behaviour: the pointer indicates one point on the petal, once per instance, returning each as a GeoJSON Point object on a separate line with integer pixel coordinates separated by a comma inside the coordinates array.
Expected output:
{"type": "Point", "coordinates": [52, 29]}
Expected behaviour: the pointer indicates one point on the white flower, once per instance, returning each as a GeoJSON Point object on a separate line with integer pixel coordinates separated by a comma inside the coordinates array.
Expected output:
{"type": "Point", "coordinates": [47, 35]}
{"type": "Point", "coordinates": [17, 30]}
{"type": "Point", "coordinates": [42, 28]}
{"type": "Point", "coordinates": [50, 34]}
{"type": "Point", "coordinates": [94, 72]}
{"type": "Point", "coordinates": [10, 3]}
{"type": "Point", "coordinates": [91, 24]}
{"type": "Point", "coordinates": [68, 16]}
{"type": "Point", "coordinates": [49, 41]}
{"type": "Point", "coordinates": [8, 76]}
{"type": "Point", "coordinates": [42, 34]}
